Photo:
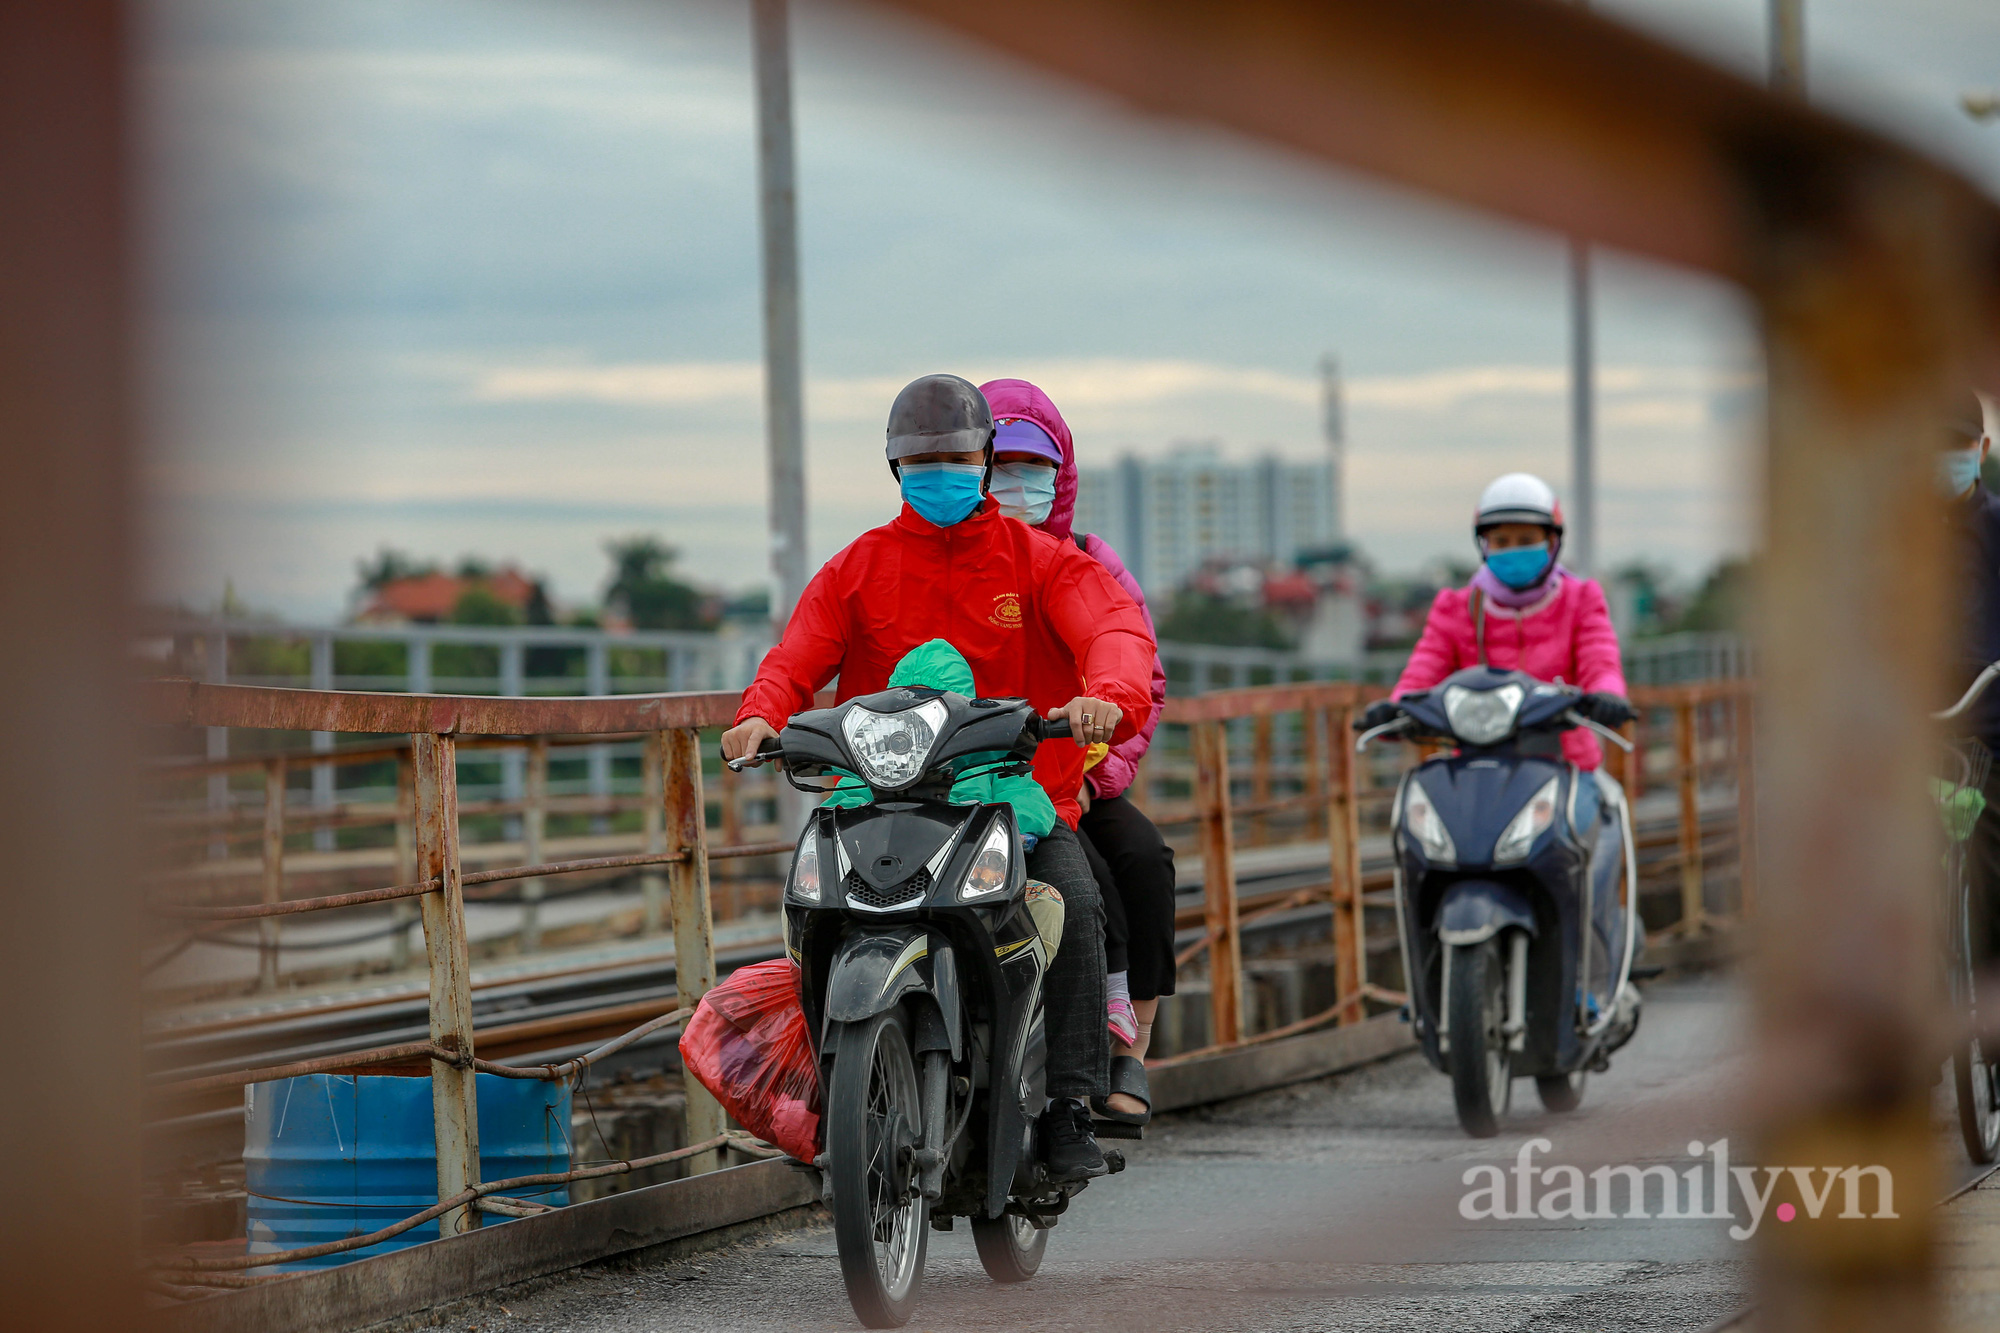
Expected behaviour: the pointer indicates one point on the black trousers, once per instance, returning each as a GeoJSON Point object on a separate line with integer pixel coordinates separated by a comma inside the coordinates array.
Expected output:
{"type": "Point", "coordinates": [1135, 868]}
{"type": "Point", "coordinates": [1073, 997]}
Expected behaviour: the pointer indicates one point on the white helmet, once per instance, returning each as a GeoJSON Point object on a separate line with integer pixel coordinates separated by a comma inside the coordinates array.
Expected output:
{"type": "Point", "coordinates": [1518, 497]}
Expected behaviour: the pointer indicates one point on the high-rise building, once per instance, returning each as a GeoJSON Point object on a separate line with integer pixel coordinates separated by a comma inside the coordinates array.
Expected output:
{"type": "Point", "coordinates": [1168, 515]}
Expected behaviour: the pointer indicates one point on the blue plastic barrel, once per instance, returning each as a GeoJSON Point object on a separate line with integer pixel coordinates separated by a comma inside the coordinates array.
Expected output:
{"type": "Point", "coordinates": [328, 1156]}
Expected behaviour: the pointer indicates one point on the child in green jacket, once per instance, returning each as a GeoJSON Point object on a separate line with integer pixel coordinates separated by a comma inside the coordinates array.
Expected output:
{"type": "Point", "coordinates": [939, 666]}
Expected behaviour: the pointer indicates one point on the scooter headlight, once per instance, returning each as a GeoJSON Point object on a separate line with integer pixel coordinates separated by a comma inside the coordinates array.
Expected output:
{"type": "Point", "coordinates": [989, 869]}
{"type": "Point", "coordinates": [1482, 717]}
{"type": "Point", "coordinates": [1532, 821]}
{"type": "Point", "coordinates": [890, 748]}
{"type": "Point", "coordinates": [804, 887]}
{"type": "Point", "coordinates": [1422, 822]}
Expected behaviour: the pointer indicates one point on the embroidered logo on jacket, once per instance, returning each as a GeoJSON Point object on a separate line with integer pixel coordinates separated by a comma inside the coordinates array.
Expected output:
{"type": "Point", "coordinates": [1006, 611]}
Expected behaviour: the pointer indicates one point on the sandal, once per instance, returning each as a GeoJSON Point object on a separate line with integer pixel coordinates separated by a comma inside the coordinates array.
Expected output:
{"type": "Point", "coordinates": [1128, 1075]}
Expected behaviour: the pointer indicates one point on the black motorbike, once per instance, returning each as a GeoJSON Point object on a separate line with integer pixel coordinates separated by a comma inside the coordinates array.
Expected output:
{"type": "Point", "coordinates": [1514, 873]}
{"type": "Point", "coordinates": [921, 946]}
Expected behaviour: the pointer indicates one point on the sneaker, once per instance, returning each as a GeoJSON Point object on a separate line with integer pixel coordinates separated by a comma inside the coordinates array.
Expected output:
{"type": "Point", "coordinates": [1072, 1149]}
{"type": "Point", "coordinates": [1123, 1020]}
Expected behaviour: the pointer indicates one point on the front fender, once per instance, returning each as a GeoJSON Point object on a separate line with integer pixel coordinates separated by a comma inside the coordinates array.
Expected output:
{"type": "Point", "coordinates": [873, 970]}
{"type": "Point", "coordinates": [1474, 910]}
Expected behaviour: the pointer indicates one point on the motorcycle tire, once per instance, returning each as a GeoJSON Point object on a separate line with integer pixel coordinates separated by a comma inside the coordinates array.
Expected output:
{"type": "Point", "coordinates": [1010, 1247]}
{"type": "Point", "coordinates": [881, 1222]}
{"type": "Point", "coordinates": [1561, 1093]}
{"type": "Point", "coordinates": [1478, 1059]}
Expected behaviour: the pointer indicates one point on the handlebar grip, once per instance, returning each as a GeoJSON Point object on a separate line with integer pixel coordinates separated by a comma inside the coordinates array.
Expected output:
{"type": "Point", "coordinates": [771, 745]}
{"type": "Point", "coordinates": [1057, 729]}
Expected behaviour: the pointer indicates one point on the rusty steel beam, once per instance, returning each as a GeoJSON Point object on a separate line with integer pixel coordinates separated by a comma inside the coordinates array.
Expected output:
{"type": "Point", "coordinates": [1263, 700]}
{"type": "Point", "coordinates": [1534, 109]}
{"type": "Point", "coordinates": [1218, 881]}
{"type": "Point", "coordinates": [685, 823]}
{"type": "Point", "coordinates": [1687, 759]}
{"type": "Point", "coordinates": [190, 703]}
{"type": "Point", "coordinates": [274, 872]}
{"type": "Point", "coordinates": [454, 1109]}
{"type": "Point", "coordinates": [69, 953]}
{"type": "Point", "coordinates": [1343, 835]}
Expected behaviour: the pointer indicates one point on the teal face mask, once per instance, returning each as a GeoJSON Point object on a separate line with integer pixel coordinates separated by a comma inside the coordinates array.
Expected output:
{"type": "Point", "coordinates": [944, 493]}
{"type": "Point", "coordinates": [1958, 469]}
{"type": "Point", "coordinates": [1026, 491]}
{"type": "Point", "coordinates": [1519, 567]}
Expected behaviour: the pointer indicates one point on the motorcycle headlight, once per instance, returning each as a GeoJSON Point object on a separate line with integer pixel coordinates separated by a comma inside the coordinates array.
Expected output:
{"type": "Point", "coordinates": [988, 873]}
{"type": "Point", "coordinates": [890, 748]}
{"type": "Point", "coordinates": [1532, 821]}
{"type": "Point", "coordinates": [1422, 822]}
{"type": "Point", "coordinates": [1481, 717]}
{"type": "Point", "coordinates": [805, 869]}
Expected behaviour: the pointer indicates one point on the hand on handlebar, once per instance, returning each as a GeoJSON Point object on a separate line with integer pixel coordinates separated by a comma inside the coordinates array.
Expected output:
{"type": "Point", "coordinates": [1607, 709]}
{"type": "Point", "coordinates": [1378, 714]}
{"type": "Point", "coordinates": [746, 738]}
{"type": "Point", "coordinates": [1090, 720]}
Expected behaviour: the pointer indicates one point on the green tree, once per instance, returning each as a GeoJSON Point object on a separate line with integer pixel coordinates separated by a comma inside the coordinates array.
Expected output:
{"type": "Point", "coordinates": [389, 565]}
{"type": "Point", "coordinates": [642, 581]}
{"type": "Point", "coordinates": [1724, 600]}
{"type": "Point", "coordinates": [1201, 617]}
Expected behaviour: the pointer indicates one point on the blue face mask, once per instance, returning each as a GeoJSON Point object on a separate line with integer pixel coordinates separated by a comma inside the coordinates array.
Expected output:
{"type": "Point", "coordinates": [1519, 567]}
{"type": "Point", "coordinates": [1026, 491]}
{"type": "Point", "coordinates": [1958, 469]}
{"type": "Point", "coordinates": [944, 493]}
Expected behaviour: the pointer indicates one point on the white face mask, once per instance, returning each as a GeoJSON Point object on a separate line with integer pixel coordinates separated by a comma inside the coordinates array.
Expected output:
{"type": "Point", "coordinates": [1026, 491]}
{"type": "Point", "coordinates": [1958, 469]}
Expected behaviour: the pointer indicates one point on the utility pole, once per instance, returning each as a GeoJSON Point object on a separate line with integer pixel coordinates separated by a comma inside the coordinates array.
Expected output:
{"type": "Point", "coordinates": [1580, 543]}
{"type": "Point", "coordinates": [1580, 536]}
{"type": "Point", "coordinates": [1788, 47]}
{"type": "Point", "coordinates": [1334, 423]}
{"type": "Point", "coordinates": [784, 398]}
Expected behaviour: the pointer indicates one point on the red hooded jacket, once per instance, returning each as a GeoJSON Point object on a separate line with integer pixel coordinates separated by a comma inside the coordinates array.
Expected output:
{"type": "Point", "coordinates": [1035, 617]}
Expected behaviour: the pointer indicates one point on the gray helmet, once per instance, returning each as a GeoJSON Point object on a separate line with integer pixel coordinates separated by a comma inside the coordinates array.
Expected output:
{"type": "Point", "coordinates": [939, 414]}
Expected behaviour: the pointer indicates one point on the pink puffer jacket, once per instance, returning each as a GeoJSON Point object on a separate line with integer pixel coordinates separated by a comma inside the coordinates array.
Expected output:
{"type": "Point", "coordinates": [1565, 637]}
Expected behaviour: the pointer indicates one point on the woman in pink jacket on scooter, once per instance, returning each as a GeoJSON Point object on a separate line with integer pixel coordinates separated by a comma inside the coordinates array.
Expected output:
{"type": "Point", "coordinates": [1524, 611]}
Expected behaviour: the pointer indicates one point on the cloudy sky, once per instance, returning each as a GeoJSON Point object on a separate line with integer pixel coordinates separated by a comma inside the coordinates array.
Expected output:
{"type": "Point", "coordinates": [480, 276]}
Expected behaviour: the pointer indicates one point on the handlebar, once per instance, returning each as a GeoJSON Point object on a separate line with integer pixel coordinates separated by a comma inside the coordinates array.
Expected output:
{"type": "Point", "coordinates": [766, 752]}
{"type": "Point", "coordinates": [1972, 693]}
{"type": "Point", "coordinates": [1600, 729]}
{"type": "Point", "coordinates": [1057, 729]}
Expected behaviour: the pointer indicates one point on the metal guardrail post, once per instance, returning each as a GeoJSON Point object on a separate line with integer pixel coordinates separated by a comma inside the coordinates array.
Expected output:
{"type": "Point", "coordinates": [419, 659]}
{"type": "Point", "coordinates": [406, 859]}
{"type": "Point", "coordinates": [1218, 870]}
{"type": "Point", "coordinates": [683, 811]}
{"type": "Point", "coordinates": [652, 888]}
{"type": "Point", "coordinates": [1343, 835]}
{"type": "Point", "coordinates": [534, 825]}
{"type": "Point", "coordinates": [324, 839]}
{"type": "Point", "coordinates": [1694, 912]}
{"type": "Point", "coordinates": [1743, 710]}
{"type": "Point", "coordinates": [732, 835]}
{"type": "Point", "coordinates": [454, 1104]}
{"type": "Point", "coordinates": [597, 758]}
{"type": "Point", "coordinates": [1260, 777]}
{"type": "Point", "coordinates": [274, 871]}
{"type": "Point", "coordinates": [1319, 737]}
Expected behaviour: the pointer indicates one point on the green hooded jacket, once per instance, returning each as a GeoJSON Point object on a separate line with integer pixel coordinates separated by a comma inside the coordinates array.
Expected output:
{"type": "Point", "coordinates": [939, 666]}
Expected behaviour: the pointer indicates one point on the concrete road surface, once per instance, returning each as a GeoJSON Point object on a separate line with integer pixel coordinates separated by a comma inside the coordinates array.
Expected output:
{"type": "Point", "coordinates": [1329, 1205]}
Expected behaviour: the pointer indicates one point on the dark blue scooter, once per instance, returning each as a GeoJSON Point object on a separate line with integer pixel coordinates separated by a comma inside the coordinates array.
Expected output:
{"type": "Point", "coordinates": [1513, 893]}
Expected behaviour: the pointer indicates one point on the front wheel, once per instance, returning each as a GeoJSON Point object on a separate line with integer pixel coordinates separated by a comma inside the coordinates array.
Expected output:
{"type": "Point", "coordinates": [874, 1125]}
{"type": "Point", "coordinates": [1978, 1110]}
{"type": "Point", "coordinates": [1478, 1060]}
{"type": "Point", "coordinates": [1010, 1247]}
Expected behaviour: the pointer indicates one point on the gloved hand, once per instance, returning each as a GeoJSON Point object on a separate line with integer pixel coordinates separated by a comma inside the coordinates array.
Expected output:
{"type": "Point", "coordinates": [1607, 709]}
{"type": "Point", "coordinates": [1380, 713]}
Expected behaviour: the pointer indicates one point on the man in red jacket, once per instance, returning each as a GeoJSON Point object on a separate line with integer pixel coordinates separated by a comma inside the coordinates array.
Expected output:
{"type": "Point", "coordinates": [1037, 619]}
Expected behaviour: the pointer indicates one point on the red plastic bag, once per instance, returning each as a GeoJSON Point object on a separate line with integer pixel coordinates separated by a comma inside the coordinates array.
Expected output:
{"type": "Point", "coordinates": [747, 1044]}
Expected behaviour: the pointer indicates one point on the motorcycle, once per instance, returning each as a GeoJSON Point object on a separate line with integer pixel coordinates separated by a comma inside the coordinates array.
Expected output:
{"type": "Point", "coordinates": [921, 947]}
{"type": "Point", "coordinates": [1514, 893]}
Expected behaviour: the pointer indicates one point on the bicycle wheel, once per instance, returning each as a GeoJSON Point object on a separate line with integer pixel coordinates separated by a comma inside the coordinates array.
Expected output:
{"type": "Point", "coordinates": [1972, 1073]}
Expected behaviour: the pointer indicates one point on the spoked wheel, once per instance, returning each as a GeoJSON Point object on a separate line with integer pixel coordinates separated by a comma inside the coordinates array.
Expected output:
{"type": "Point", "coordinates": [1978, 1108]}
{"type": "Point", "coordinates": [1010, 1247]}
{"type": "Point", "coordinates": [1478, 1060]}
{"type": "Point", "coordinates": [1561, 1092]}
{"type": "Point", "coordinates": [873, 1126]}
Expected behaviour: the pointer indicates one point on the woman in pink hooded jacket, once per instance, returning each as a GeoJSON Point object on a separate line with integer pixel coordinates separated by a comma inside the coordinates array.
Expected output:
{"type": "Point", "coordinates": [1034, 479]}
{"type": "Point", "coordinates": [1524, 611]}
